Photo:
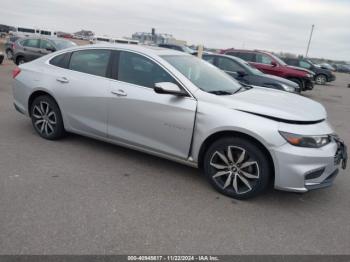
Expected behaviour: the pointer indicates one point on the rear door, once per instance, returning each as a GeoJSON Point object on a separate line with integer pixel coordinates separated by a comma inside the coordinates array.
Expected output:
{"type": "Point", "coordinates": [139, 116]}
{"type": "Point", "coordinates": [83, 90]}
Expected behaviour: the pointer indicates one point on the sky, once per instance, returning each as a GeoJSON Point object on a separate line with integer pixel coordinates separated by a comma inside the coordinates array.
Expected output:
{"type": "Point", "coordinates": [274, 25]}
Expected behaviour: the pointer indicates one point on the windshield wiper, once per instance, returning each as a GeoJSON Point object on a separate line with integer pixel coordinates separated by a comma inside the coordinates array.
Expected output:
{"type": "Point", "coordinates": [245, 86]}
{"type": "Point", "coordinates": [220, 92]}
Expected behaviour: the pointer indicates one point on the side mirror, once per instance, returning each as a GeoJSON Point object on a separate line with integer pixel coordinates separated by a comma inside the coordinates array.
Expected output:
{"type": "Point", "coordinates": [273, 63]}
{"type": "Point", "coordinates": [168, 88]}
{"type": "Point", "coordinates": [50, 49]}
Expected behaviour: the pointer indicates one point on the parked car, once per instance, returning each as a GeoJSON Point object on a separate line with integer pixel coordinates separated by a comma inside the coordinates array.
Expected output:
{"type": "Point", "coordinates": [181, 48]}
{"type": "Point", "coordinates": [322, 76]}
{"type": "Point", "coordinates": [271, 64]}
{"type": "Point", "coordinates": [1, 57]}
{"type": "Point", "coordinates": [327, 66]}
{"type": "Point", "coordinates": [177, 106]}
{"type": "Point", "coordinates": [245, 73]}
{"type": "Point", "coordinates": [342, 68]}
{"type": "Point", "coordinates": [9, 46]}
{"type": "Point", "coordinates": [30, 48]}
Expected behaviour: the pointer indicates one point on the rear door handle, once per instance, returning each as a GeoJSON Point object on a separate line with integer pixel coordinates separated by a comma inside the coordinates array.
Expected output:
{"type": "Point", "coordinates": [62, 80]}
{"type": "Point", "coordinates": [119, 92]}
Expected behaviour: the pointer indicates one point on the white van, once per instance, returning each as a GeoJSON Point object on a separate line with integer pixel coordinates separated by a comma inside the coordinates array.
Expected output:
{"type": "Point", "coordinates": [47, 33]}
{"type": "Point", "coordinates": [124, 41]}
{"type": "Point", "coordinates": [27, 31]}
{"type": "Point", "coordinates": [99, 39]}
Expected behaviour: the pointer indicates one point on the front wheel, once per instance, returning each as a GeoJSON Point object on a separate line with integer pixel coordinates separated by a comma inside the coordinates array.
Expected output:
{"type": "Point", "coordinates": [9, 54]}
{"type": "Point", "coordinates": [237, 167]}
{"type": "Point", "coordinates": [46, 118]}
{"type": "Point", "coordinates": [321, 79]}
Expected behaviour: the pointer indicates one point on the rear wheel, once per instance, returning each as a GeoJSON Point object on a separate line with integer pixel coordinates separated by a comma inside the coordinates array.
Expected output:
{"type": "Point", "coordinates": [237, 167]}
{"type": "Point", "coordinates": [46, 118]}
{"type": "Point", "coordinates": [320, 79]}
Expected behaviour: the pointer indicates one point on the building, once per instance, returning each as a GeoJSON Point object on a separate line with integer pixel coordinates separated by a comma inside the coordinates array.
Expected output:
{"type": "Point", "coordinates": [153, 38]}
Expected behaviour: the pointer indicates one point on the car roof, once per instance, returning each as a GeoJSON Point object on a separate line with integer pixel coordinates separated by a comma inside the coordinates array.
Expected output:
{"type": "Point", "coordinates": [146, 49]}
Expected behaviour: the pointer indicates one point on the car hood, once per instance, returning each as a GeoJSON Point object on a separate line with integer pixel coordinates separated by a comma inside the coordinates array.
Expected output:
{"type": "Point", "coordinates": [280, 80]}
{"type": "Point", "coordinates": [301, 69]}
{"type": "Point", "coordinates": [276, 105]}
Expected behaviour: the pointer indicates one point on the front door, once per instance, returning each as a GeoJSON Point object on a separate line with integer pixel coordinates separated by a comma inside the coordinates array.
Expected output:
{"type": "Point", "coordinates": [139, 116]}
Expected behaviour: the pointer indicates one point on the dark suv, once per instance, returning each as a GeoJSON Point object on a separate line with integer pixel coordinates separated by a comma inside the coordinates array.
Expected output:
{"type": "Point", "coordinates": [271, 64]}
{"type": "Point", "coordinates": [30, 48]}
{"type": "Point", "coordinates": [322, 75]}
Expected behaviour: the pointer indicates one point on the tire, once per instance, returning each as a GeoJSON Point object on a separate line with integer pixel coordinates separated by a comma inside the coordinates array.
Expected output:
{"type": "Point", "coordinates": [20, 60]}
{"type": "Point", "coordinates": [321, 79]}
{"type": "Point", "coordinates": [241, 175]}
{"type": "Point", "coordinates": [46, 118]}
{"type": "Point", "coordinates": [299, 82]}
{"type": "Point", "coordinates": [9, 54]}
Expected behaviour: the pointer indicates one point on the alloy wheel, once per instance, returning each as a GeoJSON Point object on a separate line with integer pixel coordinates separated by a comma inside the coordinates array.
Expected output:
{"type": "Point", "coordinates": [235, 170]}
{"type": "Point", "coordinates": [320, 80]}
{"type": "Point", "coordinates": [45, 119]}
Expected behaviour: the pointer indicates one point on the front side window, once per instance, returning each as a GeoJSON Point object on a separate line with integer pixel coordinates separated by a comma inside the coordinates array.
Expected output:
{"type": "Point", "coordinates": [46, 45]}
{"type": "Point", "coordinates": [304, 64]}
{"type": "Point", "coordinates": [33, 43]}
{"type": "Point", "coordinates": [209, 58]}
{"type": "Point", "coordinates": [139, 70]}
{"type": "Point", "coordinates": [246, 56]}
{"type": "Point", "coordinates": [94, 62]}
{"type": "Point", "coordinates": [227, 64]}
{"type": "Point", "coordinates": [263, 59]}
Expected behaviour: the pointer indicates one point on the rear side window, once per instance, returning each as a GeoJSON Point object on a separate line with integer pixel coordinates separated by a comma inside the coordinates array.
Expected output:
{"type": "Point", "coordinates": [139, 70]}
{"type": "Point", "coordinates": [33, 43]}
{"type": "Point", "coordinates": [60, 60]}
{"type": "Point", "coordinates": [94, 62]}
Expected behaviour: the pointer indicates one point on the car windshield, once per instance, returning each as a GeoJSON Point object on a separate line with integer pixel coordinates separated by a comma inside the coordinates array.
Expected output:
{"type": "Point", "coordinates": [279, 60]}
{"type": "Point", "coordinates": [62, 44]}
{"type": "Point", "coordinates": [204, 75]}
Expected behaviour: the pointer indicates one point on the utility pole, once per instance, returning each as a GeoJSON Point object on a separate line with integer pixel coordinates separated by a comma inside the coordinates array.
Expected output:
{"type": "Point", "coordinates": [308, 45]}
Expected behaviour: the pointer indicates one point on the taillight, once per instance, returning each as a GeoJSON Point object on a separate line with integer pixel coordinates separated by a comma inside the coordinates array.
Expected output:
{"type": "Point", "coordinates": [16, 72]}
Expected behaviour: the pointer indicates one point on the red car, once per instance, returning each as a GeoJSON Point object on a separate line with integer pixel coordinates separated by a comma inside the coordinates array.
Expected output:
{"type": "Point", "coordinates": [271, 64]}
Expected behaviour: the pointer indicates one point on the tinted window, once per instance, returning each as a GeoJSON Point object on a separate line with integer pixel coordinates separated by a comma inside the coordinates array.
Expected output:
{"type": "Point", "coordinates": [93, 62]}
{"type": "Point", "coordinates": [243, 55]}
{"type": "Point", "coordinates": [291, 62]}
{"type": "Point", "coordinates": [42, 32]}
{"type": "Point", "coordinates": [46, 45]}
{"type": "Point", "coordinates": [304, 64]}
{"type": "Point", "coordinates": [60, 60]}
{"type": "Point", "coordinates": [139, 70]}
{"type": "Point", "coordinates": [34, 43]}
{"type": "Point", "coordinates": [263, 59]}
{"type": "Point", "coordinates": [209, 59]}
{"type": "Point", "coordinates": [227, 64]}
{"type": "Point", "coordinates": [26, 30]}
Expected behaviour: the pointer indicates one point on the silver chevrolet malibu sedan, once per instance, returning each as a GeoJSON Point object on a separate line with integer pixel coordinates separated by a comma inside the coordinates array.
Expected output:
{"type": "Point", "coordinates": [179, 107]}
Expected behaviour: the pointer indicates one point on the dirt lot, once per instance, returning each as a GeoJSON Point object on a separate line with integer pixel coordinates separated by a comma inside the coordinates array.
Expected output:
{"type": "Point", "coordinates": [81, 196]}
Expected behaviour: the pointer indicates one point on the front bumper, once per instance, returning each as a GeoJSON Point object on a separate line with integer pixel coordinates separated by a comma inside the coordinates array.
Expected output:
{"type": "Point", "coordinates": [331, 78]}
{"type": "Point", "coordinates": [308, 84]}
{"type": "Point", "coordinates": [302, 169]}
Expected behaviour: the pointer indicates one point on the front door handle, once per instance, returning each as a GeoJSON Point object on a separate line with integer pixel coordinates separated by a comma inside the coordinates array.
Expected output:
{"type": "Point", "coordinates": [119, 92]}
{"type": "Point", "coordinates": [62, 80]}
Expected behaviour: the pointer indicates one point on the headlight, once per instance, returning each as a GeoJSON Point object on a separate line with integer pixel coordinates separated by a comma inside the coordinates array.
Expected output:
{"type": "Point", "coordinates": [306, 141]}
{"type": "Point", "coordinates": [288, 88]}
{"type": "Point", "coordinates": [309, 75]}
